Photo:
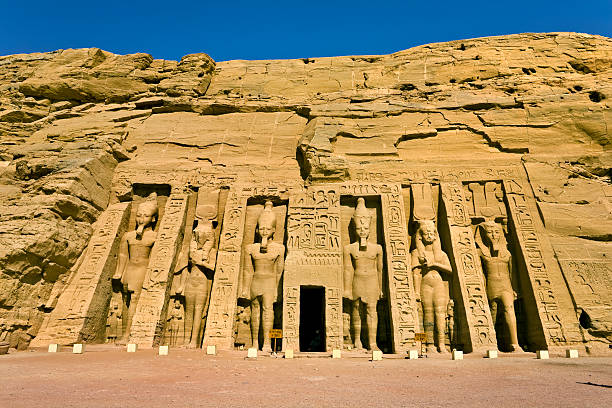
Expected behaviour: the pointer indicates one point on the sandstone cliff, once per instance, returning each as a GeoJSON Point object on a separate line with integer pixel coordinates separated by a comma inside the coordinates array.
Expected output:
{"type": "Point", "coordinates": [70, 120]}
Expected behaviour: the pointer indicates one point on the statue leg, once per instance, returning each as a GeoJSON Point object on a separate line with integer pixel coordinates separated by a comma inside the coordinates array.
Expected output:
{"type": "Point", "coordinates": [267, 320]}
{"type": "Point", "coordinates": [493, 307]}
{"type": "Point", "coordinates": [428, 315]}
{"type": "Point", "coordinates": [200, 298]}
{"type": "Point", "coordinates": [189, 313]}
{"type": "Point", "coordinates": [255, 316]}
{"type": "Point", "coordinates": [356, 323]}
{"type": "Point", "coordinates": [372, 319]}
{"type": "Point", "coordinates": [510, 318]}
{"type": "Point", "coordinates": [440, 303]}
{"type": "Point", "coordinates": [134, 296]}
{"type": "Point", "coordinates": [125, 299]}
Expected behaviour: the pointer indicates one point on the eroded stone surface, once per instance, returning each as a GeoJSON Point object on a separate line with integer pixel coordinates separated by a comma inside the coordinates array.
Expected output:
{"type": "Point", "coordinates": [82, 129]}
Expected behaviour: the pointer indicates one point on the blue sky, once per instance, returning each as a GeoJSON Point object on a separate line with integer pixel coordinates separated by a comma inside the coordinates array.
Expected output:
{"type": "Point", "coordinates": [275, 29]}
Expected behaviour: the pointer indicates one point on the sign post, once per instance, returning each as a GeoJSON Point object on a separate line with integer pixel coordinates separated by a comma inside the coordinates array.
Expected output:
{"type": "Point", "coordinates": [275, 334]}
{"type": "Point", "coordinates": [421, 338]}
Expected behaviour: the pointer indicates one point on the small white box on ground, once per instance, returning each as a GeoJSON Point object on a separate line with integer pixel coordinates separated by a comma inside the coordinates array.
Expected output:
{"type": "Point", "coordinates": [163, 350]}
{"type": "Point", "coordinates": [457, 355]}
{"type": "Point", "coordinates": [336, 353]}
{"type": "Point", "coordinates": [53, 348]}
{"type": "Point", "coordinates": [131, 348]}
{"type": "Point", "coordinates": [491, 353]}
{"type": "Point", "coordinates": [211, 350]}
{"type": "Point", "coordinates": [571, 353]}
{"type": "Point", "coordinates": [289, 353]}
{"type": "Point", "coordinates": [542, 354]}
{"type": "Point", "coordinates": [252, 352]}
{"type": "Point", "coordinates": [413, 355]}
{"type": "Point", "coordinates": [376, 355]}
{"type": "Point", "coordinates": [78, 348]}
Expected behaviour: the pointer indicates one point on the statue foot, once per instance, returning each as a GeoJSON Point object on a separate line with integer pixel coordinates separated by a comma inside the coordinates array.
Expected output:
{"type": "Point", "coordinates": [431, 348]}
{"type": "Point", "coordinates": [515, 348]}
{"type": "Point", "coordinates": [374, 348]}
{"type": "Point", "coordinates": [442, 350]}
{"type": "Point", "coordinates": [192, 345]}
{"type": "Point", "coordinates": [266, 349]}
{"type": "Point", "coordinates": [358, 345]}
{"type": "Point", "coordinates": [122, 341]}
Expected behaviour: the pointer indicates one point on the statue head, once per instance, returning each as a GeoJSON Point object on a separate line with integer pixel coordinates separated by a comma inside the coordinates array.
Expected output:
{"type": "Point", "coordinates": [427, 232]}
{"type": "Point", "coordinates": [146, 214]}
{"type": "Point", "coordinates": [361, 219]}
{"type": "Point", "coordinates": [266, 225]}
{"type": "Point", "coordinates": [204, 232]}
{"type": "Point", "coordinates": [493, 235]}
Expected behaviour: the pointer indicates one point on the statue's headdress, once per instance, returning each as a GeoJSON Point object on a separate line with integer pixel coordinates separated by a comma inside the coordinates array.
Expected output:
{"type": "Point", "coordinates": [149, 204]}
{"type": "Point", "coordinates": [361, 214]}
{"type": "Point", "coordinates": [267, 215]}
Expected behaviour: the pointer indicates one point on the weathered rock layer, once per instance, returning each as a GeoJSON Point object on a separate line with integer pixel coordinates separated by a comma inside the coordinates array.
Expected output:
{"type": "Point", "coordinates": [73, 121]}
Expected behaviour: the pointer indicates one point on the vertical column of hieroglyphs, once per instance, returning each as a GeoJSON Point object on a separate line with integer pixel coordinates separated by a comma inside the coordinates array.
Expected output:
{"type": "Point", "coordinates": [314, 258]}
{"type": "Point", "coordinates": [150, 315]}
{"type": "Point", "coordinates": [80, 313]}
{"type": "Point", "coordinates": [223, 298]}
{"type": "Point", "coordinates": [555, 331]}
{"type": "Point", "coordinates": [404, 314]}
{"type": "Point", "coordinates": [468, 269]}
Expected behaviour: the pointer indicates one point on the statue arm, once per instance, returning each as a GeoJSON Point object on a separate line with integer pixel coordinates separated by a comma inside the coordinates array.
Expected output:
{"type": "Point", "coordinates": [182, 280]}
{"type": "Point", "coordinates": [348, 272]}
{"type": "Point", "coordinates": [444, 264]}
{"type": "Point", "coordinates": [247, 274]}
{"type": "Point", "coordinates": [195, 255]}
{"type": "Point", "coordinates": [513, 280]}
{"type": "Point", "coordinates": [212, 260]}
{"type": "Point", "coordinates": [123, 258]}
{"type": "Point", "coordinates": [416, 274]}
{"type": "Point", "coordinates": [280, 264]}
{"type": "Point", "coordinates": [379, 269]}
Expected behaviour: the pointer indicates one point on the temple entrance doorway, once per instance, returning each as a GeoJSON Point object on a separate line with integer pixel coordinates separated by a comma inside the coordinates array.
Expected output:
{"type": "Point", "coordinates": [312, 318]}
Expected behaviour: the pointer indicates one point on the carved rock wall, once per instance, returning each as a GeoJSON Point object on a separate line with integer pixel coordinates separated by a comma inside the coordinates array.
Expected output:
{"type": "Point", "coordinates": [73, 123]}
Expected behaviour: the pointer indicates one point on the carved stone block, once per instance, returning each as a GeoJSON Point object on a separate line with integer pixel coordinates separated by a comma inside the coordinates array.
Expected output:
{"type": "Point", "coordinates": [81, 310]}
{"type": "Point", "coordinates": [150, 316]}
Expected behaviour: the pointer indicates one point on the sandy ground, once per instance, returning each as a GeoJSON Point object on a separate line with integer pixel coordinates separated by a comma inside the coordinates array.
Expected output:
{"type": "Point", "coordinates": [111, 377]}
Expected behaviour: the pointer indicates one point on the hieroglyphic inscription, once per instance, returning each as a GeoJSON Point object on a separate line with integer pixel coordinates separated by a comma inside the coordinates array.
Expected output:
{"type": "Point", "coordinates": [81, 309]}
{"type": "Point", "coordinates": [150, 316]}
{"type": "Point", "coordinates": [438, 173]}
{"type": "Point", "coordinates": [313, 241]}
{"type": "Point", "coordinates": [222, 309]}
{"type": "Point", "coordinates": [589, 280]}
{"type": "Point", "coordinates": [291, 316]}
{"type": "Point", "coordinates": [402, 300]}
{"type": "Point", "coordinates": [468, 270]}
{"type": "Point", "coordinates": [533, 257]}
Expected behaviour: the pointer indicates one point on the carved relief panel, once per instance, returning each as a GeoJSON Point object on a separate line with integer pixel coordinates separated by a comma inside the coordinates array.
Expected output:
{"type": "Point", "coordinates": [314, 261]}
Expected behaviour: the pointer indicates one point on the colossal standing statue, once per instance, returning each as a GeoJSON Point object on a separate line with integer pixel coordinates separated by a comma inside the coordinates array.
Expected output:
{"type": "Point", "coordinates": [428, 262]}
{"type": "Point", "coordinates": [134, 251]}
{"type": "Point", "coordinates": [197, 280]}
{"type": "Point", "coordinates": [263, 267]}
{"type": "Point", "coordinates": [497, 265]}
{"type": "Point", "coordinates": [363, 264]}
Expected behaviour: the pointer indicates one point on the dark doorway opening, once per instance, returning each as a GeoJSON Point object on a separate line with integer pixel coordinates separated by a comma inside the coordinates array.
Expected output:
{"type": "Point", "coordinates": [312, 318]}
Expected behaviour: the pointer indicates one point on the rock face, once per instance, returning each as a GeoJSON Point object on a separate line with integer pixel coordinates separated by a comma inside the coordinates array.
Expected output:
{"type": "Point", "coordinates": [527, 117]}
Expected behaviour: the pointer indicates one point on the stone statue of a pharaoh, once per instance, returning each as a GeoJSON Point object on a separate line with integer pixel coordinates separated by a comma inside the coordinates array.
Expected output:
{"type": "Point", "coordinates": [497, 265]}
{"type": "Point", "coordinates": [363, 267]}
{"type": "Point", "coordinates": [263, 267]}
{"type": "Point", "coordinates": [197, 279]}
{"type": "Point", "coordinates": [134, 251]}
{"type": "Point", "coordinates": [429, 263]}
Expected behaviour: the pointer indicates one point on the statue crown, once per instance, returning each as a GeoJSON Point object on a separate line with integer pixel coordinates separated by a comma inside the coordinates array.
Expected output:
{"type": "Point", "coordinates": [361, 212]}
